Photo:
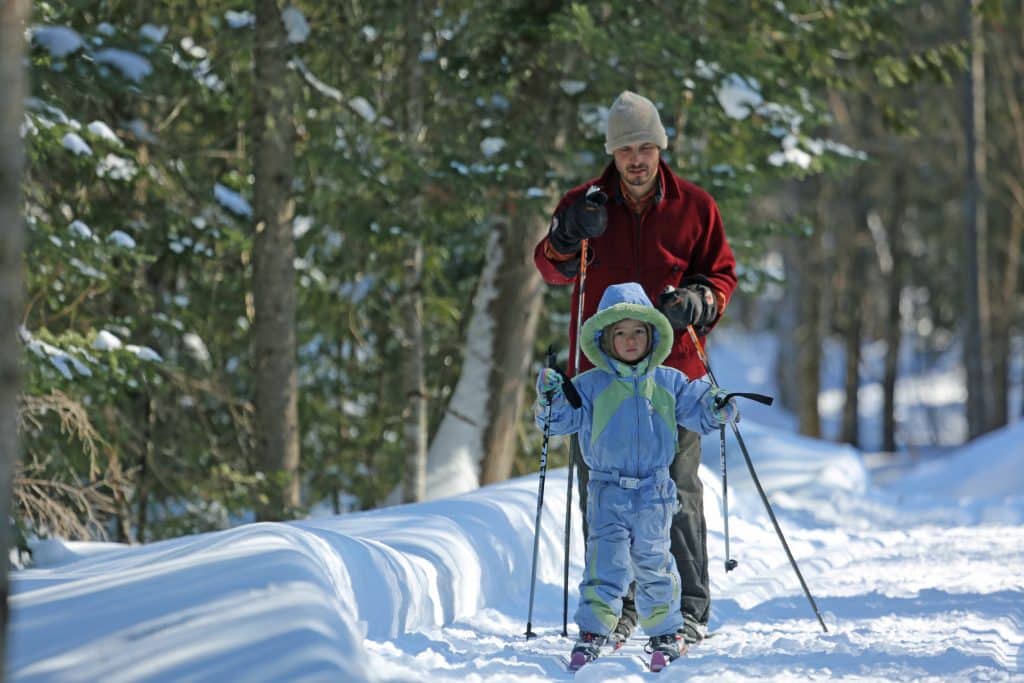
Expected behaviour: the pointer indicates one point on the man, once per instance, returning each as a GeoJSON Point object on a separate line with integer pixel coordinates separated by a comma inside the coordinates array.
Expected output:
{"type": "Point", "coordinates": [645, 224]}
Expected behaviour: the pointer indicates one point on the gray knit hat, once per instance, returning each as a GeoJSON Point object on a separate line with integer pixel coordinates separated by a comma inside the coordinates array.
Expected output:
{"type": "Point", "coordinates": [633, 119]}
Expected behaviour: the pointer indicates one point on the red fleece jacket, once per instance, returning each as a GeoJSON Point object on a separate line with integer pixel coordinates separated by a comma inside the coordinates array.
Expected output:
{"type": "Point", "coordinates": [679, 237]}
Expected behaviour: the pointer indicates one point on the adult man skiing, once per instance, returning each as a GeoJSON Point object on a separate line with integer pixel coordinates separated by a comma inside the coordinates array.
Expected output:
{"type": "Point", "coordinates": [666, 234]}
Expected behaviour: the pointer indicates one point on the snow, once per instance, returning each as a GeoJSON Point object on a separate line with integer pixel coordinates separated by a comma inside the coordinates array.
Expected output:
{"type": "Point", "coordinates": [74, 143]}
{"type": "Point", "coordinates": [491, 146]}
{"type": "Point", "coordinates": [59, 41]}
{"type": "Point", "coordinates": [311, 78]}
{"type": "Point", "coordinates": [153, 33]}
{"type": "Point", "coordinates": [66, 363]}
{"type": "Point", "coordinates": [121, 239]}
{"type": "Point", "coordinates": [790, 154]}
{"type": "Point", "coordinates": [362, 106]}
{"type": "Point", "coordinates": [106, 341]}
{"type": "Point", "coordinates": [571, 86]}
{"type": "Point", "coordinates": [132, 66]}
{"type": "Point", "coordinates": [116, 167]}
{"type": "Point", "coordinates": [295, 24]}
{"type": "Point", "coordinates": [738, 96]}
{"type": "Point", "coordinates": [103, 131]}
{"type": "Point", "coordinates": [80, 230]}
{"type": "Point", "coordinates": [143, 353]}
{"type": "Point", "coordinates": [196, 347]}
{"type": "Point", "coordinates": [232, 201]}
{"type": "Point", "coordinates": [237, 19]}
{"type": "Point", "coordinates": [918, 580]}
{"type": "Point", "coordinates": [438, 591]}
{"type": "Point", "coordinates": [301, 225]}
{"type": "Point", "coordinates": [988, 467]}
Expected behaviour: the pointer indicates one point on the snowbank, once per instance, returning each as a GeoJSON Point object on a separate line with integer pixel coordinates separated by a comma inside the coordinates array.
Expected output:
{"type": "Point", "coordinates": [991, 466]}
{"type": "Point", "coordinates": [275, 602]}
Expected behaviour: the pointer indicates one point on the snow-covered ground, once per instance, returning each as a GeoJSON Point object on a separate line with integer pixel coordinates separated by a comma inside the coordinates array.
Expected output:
{"type": "Point", "coordinates": [922, 579]}
{"type": "Point", "coordinates": [921, 582]}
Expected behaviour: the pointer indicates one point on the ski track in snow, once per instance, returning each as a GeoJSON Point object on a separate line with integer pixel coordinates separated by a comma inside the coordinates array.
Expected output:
{"type": "Point", "coordinates": [915, 602]}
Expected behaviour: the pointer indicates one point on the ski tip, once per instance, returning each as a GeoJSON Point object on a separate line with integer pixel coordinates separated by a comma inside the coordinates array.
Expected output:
{"type": "Point", "coordinates": [577, 661]}
{"type": "Point", "coordinates": [658, 661]}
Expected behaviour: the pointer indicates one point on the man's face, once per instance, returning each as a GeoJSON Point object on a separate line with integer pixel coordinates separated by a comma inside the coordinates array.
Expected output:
{"type": "Point", "coordinates": [638, 164]}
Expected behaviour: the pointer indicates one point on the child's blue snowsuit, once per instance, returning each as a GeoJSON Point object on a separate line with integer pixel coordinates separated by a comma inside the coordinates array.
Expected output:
{"type": "Point", "coordinates": [627, 434]}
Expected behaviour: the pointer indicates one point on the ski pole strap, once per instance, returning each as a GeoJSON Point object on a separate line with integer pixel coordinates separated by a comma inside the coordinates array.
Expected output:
{"type": "Point", "coordinates": [614, 477]}
{"type": "Point", "coordinates": [569, 389]}
{"type": "Point", "coordinates": [760, 398]}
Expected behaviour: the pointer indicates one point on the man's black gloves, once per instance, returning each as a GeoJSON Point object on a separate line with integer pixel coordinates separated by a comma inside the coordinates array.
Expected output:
{"type": "Point", "coordinates": [584, 219]}
{"type": "Point", "coordinates": [692, 304]}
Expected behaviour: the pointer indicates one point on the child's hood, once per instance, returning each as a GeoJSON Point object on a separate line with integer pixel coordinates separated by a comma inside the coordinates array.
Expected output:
{"type": "Point", "coordinates": [619, 302]}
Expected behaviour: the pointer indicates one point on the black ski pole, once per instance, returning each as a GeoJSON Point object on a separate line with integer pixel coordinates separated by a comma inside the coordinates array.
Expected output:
{"type": "Point", "coordinates": [730, 563]}
{"type": "Point", "coordinates": [573, 398]}
{"type": "Point", "coordinates": [753, 474]}
{"type": "Point", "coordinates": [540, 501]}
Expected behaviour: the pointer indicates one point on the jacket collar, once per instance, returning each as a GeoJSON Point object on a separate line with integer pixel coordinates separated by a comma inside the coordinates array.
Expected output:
{"type": "Point", "coordinates": [612, 182]}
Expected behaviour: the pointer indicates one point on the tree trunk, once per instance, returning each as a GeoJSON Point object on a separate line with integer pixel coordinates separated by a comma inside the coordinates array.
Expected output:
{"type": "Point", "coordinates": [13, 21]}
{"type": "Point", "coordinates": [891, 263]}
{"type": "Point", "coordinates": [1009, 69]}
{"type": "Point", "coordinates": [515, 311]}
{"type": "Point", "coordinates": [475, 442]}
{"type": "Point", "coordinates": [807, 328]}
{"type": "Point", "coordinates": [976, 315]}
{"type": "Point", "coordinates": [415, 410]}
{"type": "Point", "coordinates": [414, 413]}
{"type": "Point", "coordinates": [1002, 320]}
{"type": "Point", "coordinates": [277, 420]}
{"type": "Point", "coordinates": [852, 266]}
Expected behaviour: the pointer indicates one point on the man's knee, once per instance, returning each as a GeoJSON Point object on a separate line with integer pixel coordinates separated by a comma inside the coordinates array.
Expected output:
{"type": "Point", "coordinates": [685, 469]}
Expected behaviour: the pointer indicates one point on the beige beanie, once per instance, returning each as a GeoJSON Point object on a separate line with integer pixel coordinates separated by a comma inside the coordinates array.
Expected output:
{"type": "Point", "coordinates": [633, 119]}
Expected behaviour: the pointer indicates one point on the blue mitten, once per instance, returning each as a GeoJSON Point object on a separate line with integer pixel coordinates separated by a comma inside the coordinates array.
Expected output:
{"type": "Point", "coordinates": [549, 385]}
{"type": "Point", "coordinates": [723, 413]}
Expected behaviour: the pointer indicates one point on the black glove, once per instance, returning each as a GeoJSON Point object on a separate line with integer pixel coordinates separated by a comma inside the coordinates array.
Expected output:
{"type": "Point", "coordinates": [584, 219]}
{"type": "Point", "coordinates": [693, 304]}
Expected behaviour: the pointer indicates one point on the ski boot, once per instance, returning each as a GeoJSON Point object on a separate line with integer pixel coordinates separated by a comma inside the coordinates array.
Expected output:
{"type": "Point", "coordinates": [623, 630]}
{"type": "Point", "coordinates": [587, 649]}
{"type": "Point", "coordinates": [692, 632]}
{"type": "Point", "coordinates": [664, 649]}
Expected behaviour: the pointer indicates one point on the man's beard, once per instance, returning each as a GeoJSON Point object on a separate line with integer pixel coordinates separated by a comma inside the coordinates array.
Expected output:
{"type": "Point", "coordinates": [638, 176]}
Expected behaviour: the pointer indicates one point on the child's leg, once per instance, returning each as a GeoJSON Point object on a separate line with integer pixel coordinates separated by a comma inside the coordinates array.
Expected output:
{"type": "Point", "coordinates": [657, 580]}
{"type": "Point", "coordinates": [608, 571]}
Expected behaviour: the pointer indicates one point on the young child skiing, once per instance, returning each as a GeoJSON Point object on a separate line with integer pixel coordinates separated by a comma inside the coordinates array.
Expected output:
{"type": "Point", "coordinates": [631, 405]}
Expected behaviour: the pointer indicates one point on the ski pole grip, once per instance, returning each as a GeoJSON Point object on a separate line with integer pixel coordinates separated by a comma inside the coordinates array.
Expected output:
{"type": "Point", "coordinates": [760, 398]}
{"type": "Point", "coordinates": [568, 388]}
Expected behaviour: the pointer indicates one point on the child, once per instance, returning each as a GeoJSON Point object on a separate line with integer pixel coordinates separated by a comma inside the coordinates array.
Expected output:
{"type": "Point", "coordinates": [627, 433]}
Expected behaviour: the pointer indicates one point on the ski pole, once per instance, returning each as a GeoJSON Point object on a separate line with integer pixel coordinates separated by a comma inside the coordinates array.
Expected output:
{"type": "Point", "coordinates": [753, 475]}
{"type": "Point", "coordinates": [540, 499]}
{"type": "Point", "coordinates": [572, 459]}
{"type": "Point", "coordinates": [573, 398]}
{"type": "Point", "coordinates": [730, 563]}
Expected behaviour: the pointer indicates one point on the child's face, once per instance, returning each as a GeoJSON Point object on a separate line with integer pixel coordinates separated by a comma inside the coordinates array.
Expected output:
{"type": "Point", "coordinates": [630, 340]}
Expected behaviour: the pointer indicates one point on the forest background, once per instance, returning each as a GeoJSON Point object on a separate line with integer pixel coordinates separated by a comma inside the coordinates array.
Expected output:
{"type": "Point", "coordinates": [280, 256]}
